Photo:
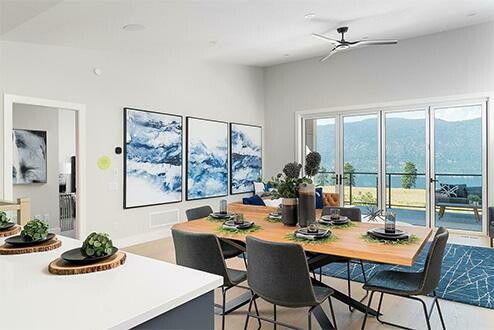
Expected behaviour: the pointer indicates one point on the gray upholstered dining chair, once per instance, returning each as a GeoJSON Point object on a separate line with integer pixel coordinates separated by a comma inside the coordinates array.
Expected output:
{"type": "Point", "coordinates": [279, 274]}
{"type": "Point", "coordinates": [319, 261]}
{"type": "Point", "coordinates": [411, 284]}
{"type": "Point", "coordinates": [203, 252]}
{"type": "Point", "coordinates": [229, 251]}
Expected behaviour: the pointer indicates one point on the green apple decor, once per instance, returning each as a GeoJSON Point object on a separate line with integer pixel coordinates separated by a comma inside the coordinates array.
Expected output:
{"type": "Point", "coordinates": [4, 220]}
{"type": "Point", "coordinates": [97, 245]}
{"type": "Point", "coordinates": [35, 230]}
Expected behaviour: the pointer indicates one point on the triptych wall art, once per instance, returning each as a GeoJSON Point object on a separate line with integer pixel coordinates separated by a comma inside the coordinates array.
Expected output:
{"type": "Point", "coordinates": [153, 158]}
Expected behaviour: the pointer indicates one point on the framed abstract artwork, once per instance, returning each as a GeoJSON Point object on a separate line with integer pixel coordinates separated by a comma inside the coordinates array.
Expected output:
{"type": "Point", "coordinates": [29, 156]}
{"type": "Point", "coordinates": [245, 157]}
{"type": "Point", "coordinates": [207, 158]}
{"type": "Point", "coordinates": [152, 158]}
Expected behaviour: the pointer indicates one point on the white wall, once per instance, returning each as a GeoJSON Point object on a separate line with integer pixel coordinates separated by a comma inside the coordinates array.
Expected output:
{"type": "Point", "coordinates": [183, 86]}
{"type": "Point", "coordinates": [66, 139]}
{"type": "Point", "coordinates": [44, 196]}
{"type": "Point", "coordinates": [443, 64]}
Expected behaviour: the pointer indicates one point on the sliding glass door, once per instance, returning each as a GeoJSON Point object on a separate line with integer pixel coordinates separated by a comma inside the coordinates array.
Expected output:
{"type": "Point", "coordinates": [406, 181]}
{"type": "Point", "coordinates": [427, 164]}
{"type": "Point", "coordinates": [457, 167]}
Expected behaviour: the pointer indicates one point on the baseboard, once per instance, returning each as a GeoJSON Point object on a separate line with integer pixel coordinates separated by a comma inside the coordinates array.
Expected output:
{"type": "Point", "coordinates": [164, 232]}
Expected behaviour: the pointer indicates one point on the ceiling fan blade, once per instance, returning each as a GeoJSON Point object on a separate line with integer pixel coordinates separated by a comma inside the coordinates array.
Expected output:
{"type": "Point", "coordinates": [373, 42]}
{"type": "Point", "coordinates": [332, 52]}
{"type": "Point", "coordinates": [333, 41]}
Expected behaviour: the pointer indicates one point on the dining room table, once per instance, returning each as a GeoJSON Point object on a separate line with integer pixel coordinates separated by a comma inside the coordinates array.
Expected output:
{"type": "Point", "coordinates": [350, 242]}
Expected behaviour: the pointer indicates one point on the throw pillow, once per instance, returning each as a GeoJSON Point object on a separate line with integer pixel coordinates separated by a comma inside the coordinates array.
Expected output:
{"type": "Point", "coordinates": [319, 203]}
{"type": "Point", "coordinates": [254, 200]}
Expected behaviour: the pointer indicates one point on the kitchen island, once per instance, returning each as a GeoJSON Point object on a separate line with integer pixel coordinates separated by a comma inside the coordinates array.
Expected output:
{"type": "Point", "coordinates": [143, 293]}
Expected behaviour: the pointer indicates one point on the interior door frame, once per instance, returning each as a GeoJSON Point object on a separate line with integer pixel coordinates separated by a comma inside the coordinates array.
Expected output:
{"type": "Point", "coordinates": [483, 103]}
{"type": "Point", "coordinates": [80, 109]}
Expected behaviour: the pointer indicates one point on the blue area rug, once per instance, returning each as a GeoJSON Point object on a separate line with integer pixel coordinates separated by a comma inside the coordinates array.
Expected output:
{"type": "Point", "coordinates": [467, 274]}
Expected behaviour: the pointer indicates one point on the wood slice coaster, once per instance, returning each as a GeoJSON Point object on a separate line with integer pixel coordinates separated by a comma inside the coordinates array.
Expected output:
{"type": "Point", "coordinates": [11, 231]}
{"type": "Point", "coordinates": [45, 246]}
{"type": "Point", "coordinates": [61, 267]}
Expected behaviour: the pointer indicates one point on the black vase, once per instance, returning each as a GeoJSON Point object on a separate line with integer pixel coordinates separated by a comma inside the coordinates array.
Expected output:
{"type": "Point", "coordinates": [289, 212]}
{"type": "Point", "coordinates": [306, 205]}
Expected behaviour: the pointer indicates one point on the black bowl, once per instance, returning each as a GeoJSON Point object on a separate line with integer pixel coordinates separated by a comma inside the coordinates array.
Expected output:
{"type": "Point", "coordinates": [381, 231]}
{"type": "Point", "coordinates": [218, 215]}
{"type": "Point", "coordinates": [320, 232]}
{"type": "Point", "coordinates": [19, 241]}
{"type": "Point", "coordinates": [387, 237]}
{"type": "Point", "coordinates": [8, 225]}
{"type": "Point", "coordinates": [231, 224]}
{"type": "Point", "coordinates": [76, 257]}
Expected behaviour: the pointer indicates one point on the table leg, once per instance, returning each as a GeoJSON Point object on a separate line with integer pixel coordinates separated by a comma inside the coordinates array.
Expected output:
{"type": "Point", "coordinates": [352, 302]}
{"type": "Point", "coordinates": [235, 303]}
{"type": "Point", "coordinates": [322, 318]}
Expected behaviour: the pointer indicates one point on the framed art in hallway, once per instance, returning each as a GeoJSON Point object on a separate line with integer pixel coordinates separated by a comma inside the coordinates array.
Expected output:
{"type": "Point", "coordinates": [207, 158]}
{"type": "Point", "coordinates": [29, 157]}
{"type": "Point", "coordinates": [152, 158]}
{"type": "Point", "coordinates": [245, 157]}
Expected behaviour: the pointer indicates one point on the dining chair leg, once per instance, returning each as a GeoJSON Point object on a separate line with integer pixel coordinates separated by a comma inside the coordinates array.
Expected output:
{"type": "Point", "coordinates": [248, 312]}
{"type": "Point", "coordinates": [274, 316]}
{"type": "Point", "coordinates": [223, 293]}
{"type": "Point", "coordinates": [348, 283]}
{"type": "Point", "coordinates": [245, 260]}
{"type": "Point", "coordinates": [365, 280]}
{"type": "Point", "coordinates": [367, 310]}
{"type": "Point", "coordinates": [309, 319]}
{"type": "Point", "coordinates": [426, 314]}
{"type": "Point", "coordinates": [257, 310]}
{"type": "Point", "coordinates": [332, 312]}
{"type": "Point", "coordinates": [439, 310]}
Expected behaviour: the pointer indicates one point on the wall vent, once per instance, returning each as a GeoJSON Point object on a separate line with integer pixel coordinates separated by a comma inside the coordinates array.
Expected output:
{"type": "Point", "coordinates": [163, 218]}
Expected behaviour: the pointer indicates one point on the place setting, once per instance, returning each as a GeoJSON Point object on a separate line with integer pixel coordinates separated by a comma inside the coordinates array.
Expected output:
{"type": "Point", "coordinates": [312, 234]}
{"type": "Point", "coordinates": [238, 224]}
{"type": "Point", "coordinates": [34, 237]}
{"type": "Point", "coordinates": [275, 216]}
{"type": "Point", "coordinates": [389, 234]}
{"type": "Point", "coordinates": [96, 254]}
{"type": "Point", "coordinates": [223, 213]}
{"type": "Point", "coordinates": [335, 220]}
{"type": "Point", "coordinates": [7, 226]}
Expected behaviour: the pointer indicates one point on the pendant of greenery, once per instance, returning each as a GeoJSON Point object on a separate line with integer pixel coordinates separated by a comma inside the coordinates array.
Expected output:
{"type": "Point", "coordinates": [413, 239]}
{"type": "Point", "coordinates": [35, 230]}
{"type": "Point", "coordinates": [348, 225]}
{"type": "Point", "coordinates": [294, 238]}
{"type": "Point", "coordinates": [233, 232]}
{"type": "Point", "coordinates": [97, 245]}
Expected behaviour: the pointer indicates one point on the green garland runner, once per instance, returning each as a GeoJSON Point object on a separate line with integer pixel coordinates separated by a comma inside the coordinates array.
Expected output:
{"type": "Point", "coordinates": [228, 231]}
{"type": "Point", "coordinates": [294, 238]}
{"type": "Point", "coordinates": [348, 225]}
{"type": "Point", "coordinates": [413, 239]}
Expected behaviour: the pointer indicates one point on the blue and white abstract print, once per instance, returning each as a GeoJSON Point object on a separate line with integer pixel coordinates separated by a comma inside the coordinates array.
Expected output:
{"type": "Point", "coordinates": [246, 149]}
{"type": "Point", "coordinates": [207, 158]}
{"type": "Point", "coordinates": [153, 156]}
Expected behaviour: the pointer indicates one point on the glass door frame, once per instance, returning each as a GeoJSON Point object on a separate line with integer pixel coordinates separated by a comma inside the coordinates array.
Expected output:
{"type": "Point", "coordinates": [431, 165]}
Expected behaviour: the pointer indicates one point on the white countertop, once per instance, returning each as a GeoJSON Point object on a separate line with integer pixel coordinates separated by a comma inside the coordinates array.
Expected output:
{"type": "Point", "coordinates": [141, 289]}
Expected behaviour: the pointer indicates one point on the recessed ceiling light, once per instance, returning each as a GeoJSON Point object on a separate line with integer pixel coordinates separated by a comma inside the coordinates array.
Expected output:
{"type": "Point", "coordinates": [364, 38]}
{"type": "Point", "coordinates": [212, 42]}
{"type": "Point", "coordinates": [286, 55]}
{"type": "Point", "coordinates": [471, 14]}
{"type": "Point", "coordinates": [133, 27]}
{"type": "Point", "coordinates": [309, 16]}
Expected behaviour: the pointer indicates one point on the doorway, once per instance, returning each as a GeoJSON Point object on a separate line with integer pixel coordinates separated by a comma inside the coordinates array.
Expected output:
{"type": "Point", "coordinates": [44, 146]}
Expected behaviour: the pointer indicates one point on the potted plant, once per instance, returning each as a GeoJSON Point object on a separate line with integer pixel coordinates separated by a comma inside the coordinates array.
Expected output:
{"type": "Point", "coordinates": [474, 200]}
{"type": "Point", "coordinates": [290, 186]}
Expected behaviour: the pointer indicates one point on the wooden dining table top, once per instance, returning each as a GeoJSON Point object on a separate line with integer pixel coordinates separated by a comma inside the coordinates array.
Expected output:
{"type": "Point", "coordinates": [349, 242]}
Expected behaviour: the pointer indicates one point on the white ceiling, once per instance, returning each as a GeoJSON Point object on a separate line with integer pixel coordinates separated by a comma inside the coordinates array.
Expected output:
{"type": "Point", "coordinates": [251, 32]}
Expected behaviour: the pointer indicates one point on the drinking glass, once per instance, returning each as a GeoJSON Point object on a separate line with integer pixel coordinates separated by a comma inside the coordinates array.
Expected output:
{"type": "Point", "coordinates": [334, 214]}
{"type": "Point", "coordinates": [223, 206]}
{"type": "Point", "coordinates": [389, 222]}
{"type": "Point", "coordinates": [239, 219]}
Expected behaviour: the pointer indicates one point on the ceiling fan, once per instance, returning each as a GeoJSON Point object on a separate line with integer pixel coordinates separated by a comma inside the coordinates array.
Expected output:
{"type": "Point", "coordinates": [343, 44]}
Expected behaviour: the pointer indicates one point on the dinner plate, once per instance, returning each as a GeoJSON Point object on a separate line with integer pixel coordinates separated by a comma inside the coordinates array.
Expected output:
{"type": "Point", "coordinates": [334, 222]}
{"type": "Point", "coordinates": [218, 215]}
{"type": "Point", "coordinates": [19, 241]}
{"type": "Point", "coordinates": [6, 226]}
{"type": "Point", "coordinates": [274, 215]}
{"type": "Point", "coordinates": [382, 231]}
{"type": "Point", "coordinates": [391, 238]}
{"type": "Point", "coordinates": [230, 224]}
{"type": "Point", "coordinates": [320, 232]}
{"type": "Point", "coordinates": [75, 256]}
{"type": "Point", "coordinates": [328, 218]}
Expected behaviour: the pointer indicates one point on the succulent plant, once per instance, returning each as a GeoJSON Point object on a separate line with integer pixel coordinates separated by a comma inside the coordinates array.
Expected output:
{"type": "Point", "coordinates": [292, 170]}
{"type": "Point", "coordinates": [3, 219]}
{"type": "Point", "coordinates": [35, 230]}
{"type": "Point", "coordinates": [97, 245]}
{"type": "Point", "coordinates": [312, 162]}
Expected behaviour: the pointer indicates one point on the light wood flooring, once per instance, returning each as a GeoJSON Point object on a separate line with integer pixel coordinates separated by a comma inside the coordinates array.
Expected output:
{"type": "Point", "coordinates": [405, 311]}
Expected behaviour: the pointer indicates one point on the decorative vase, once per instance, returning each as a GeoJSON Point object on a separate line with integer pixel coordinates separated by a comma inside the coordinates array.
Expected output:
{"type": "Point", "coordinates": [289, 211]}
{"type": "Point", "coordinates": [306, 204]}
